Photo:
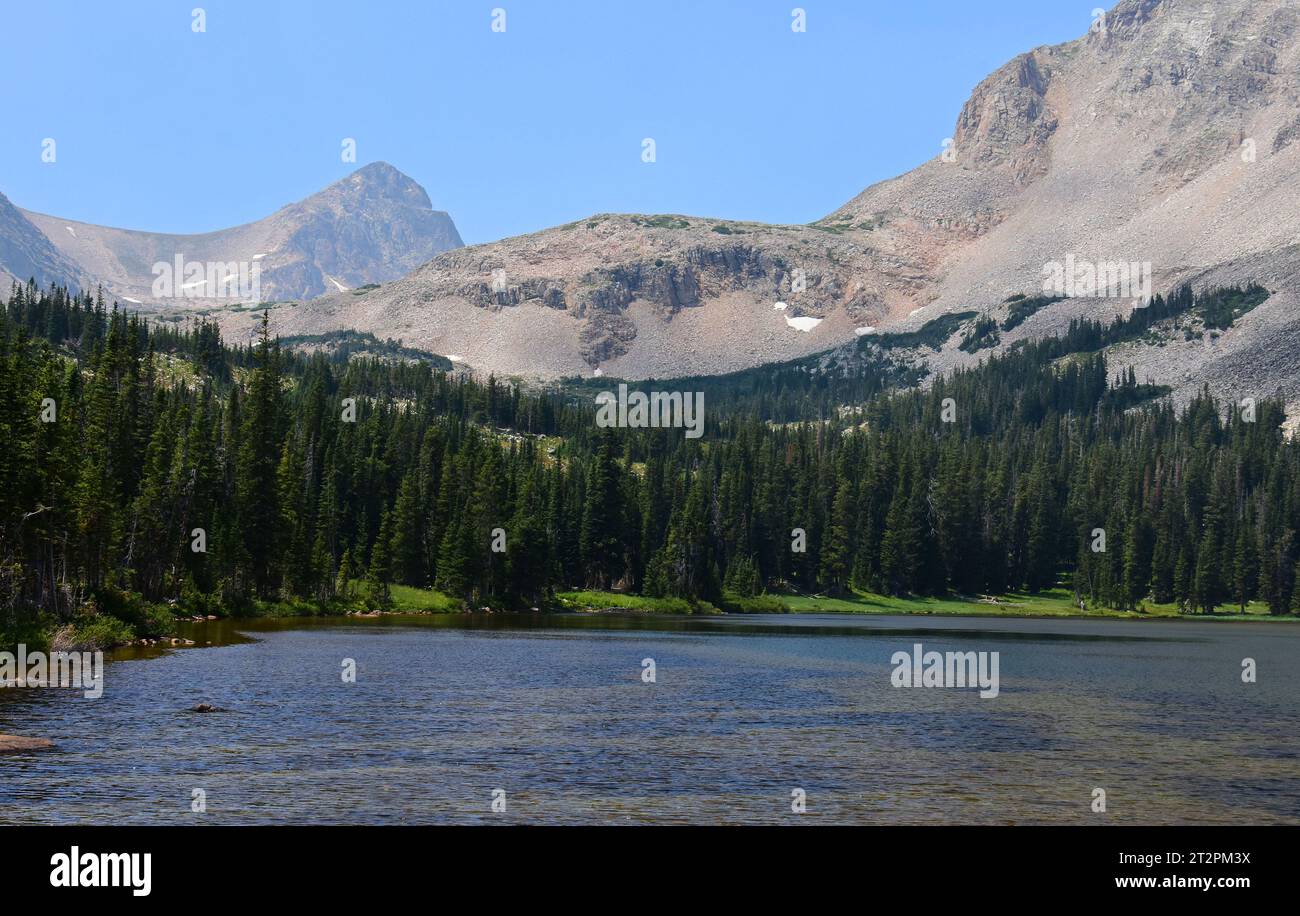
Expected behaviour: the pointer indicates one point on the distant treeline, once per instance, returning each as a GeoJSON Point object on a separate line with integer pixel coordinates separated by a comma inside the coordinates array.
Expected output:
{"type": "Point", "coordinates": [342, 346]}
{"type": "Point", "coordinates": [993, 479]}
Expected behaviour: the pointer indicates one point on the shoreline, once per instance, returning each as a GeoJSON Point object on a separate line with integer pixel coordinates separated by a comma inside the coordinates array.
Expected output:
{"type": "Point", "coordinates": [615, 611]}
{"type": "Point", "coordinates": [428, 603]}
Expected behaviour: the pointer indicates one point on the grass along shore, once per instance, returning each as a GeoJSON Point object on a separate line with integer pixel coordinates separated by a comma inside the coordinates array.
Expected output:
{"type": "Point", "coordinates": [132, 622]}
{"type": "Point", "coordinates": [1053, 603]}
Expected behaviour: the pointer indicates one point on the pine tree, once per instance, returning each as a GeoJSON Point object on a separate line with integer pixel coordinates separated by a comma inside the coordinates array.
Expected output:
{"type": "Point", "coordinates": [600, 540]}
{"type": "Point", "coordinates": [1040, 559]}
{"type": "Point", "coordinates": [837, 552]}
{"type": "Point", "coordinates": [456, 573]}
{"type": "Point", "coordinates": [1138, 552]}
{"type": "Point", "coordinates": [379, 573]}
{"type": "Point", "coordinates": [346, 573]}
{"type": "Point", "coordinates": [900, 546]}
{"type": "Point", "coordinates": [1245, 567]}
{"type": "Point", "coordinates": [407, 541]}
{"type": "Point", "coordinates": [255, 480]}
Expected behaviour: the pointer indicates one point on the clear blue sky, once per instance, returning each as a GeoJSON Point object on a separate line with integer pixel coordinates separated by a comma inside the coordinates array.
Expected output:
{"type": "Point", "coordinates": [160, 128]}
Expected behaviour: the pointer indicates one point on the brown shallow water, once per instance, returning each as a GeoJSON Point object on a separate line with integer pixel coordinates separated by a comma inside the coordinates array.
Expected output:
{"type": "Point", "coordinates": [553, 711]}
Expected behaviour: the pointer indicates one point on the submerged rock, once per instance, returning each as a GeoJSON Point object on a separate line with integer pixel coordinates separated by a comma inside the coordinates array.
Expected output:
{"type": "Point", "coordinates": [17, 744]}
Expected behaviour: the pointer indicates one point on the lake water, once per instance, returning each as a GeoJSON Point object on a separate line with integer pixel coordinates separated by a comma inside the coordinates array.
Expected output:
{"type": "Point", "coordinates": [743, 712]}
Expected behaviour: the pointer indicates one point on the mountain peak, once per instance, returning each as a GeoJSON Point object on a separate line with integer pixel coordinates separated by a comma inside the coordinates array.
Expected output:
{"type": "Point", "coordinates": [379, 180]}
{"type": "Point", "coordinates": [380, 167]}
{"type": "Point", "coordinates": [371, 226]}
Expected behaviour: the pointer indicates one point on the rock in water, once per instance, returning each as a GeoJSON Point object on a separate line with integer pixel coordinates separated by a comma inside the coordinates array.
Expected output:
{"type": "Point", "coordinates": [17, 744]}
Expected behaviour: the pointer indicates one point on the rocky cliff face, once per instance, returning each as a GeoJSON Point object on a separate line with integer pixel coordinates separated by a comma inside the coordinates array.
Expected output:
{"type": "Point", "coordinates": [1170, 145]}
{"type": "Point", "coordinates": [374, 225]}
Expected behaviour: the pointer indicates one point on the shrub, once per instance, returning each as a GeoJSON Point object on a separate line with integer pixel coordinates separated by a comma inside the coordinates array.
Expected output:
{"type": "Point", "coordinates": [141, 617]}
{"type": "Point", "coordinates": [733, 603]}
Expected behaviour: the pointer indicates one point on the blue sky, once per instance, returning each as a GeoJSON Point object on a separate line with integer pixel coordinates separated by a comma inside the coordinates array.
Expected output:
{"type": "Point", "coordinates": [161, 128]}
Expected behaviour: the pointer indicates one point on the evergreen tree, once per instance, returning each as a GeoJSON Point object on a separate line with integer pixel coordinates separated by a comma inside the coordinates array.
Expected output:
{"type": "Point", "coordinates": [600, 541]}
{"type": "Point", "coordinates": [379, 573]}
{"type": "Point", "coordinates": [407, 545]}
{"type": "Point", "coordinates": [255, 476]}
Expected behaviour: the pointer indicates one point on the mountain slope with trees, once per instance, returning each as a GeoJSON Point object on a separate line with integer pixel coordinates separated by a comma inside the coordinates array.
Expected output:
{"type": "Point", "coordinates": [306, 474]}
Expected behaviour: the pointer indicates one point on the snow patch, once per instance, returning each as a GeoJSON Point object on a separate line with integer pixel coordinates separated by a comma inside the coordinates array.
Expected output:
{"type": "Point", "coordinates": [862, 332]}
{"type": "Point", "coordinates": [780, 305]}
{"type": "Point", "coordinates": [803, 323]}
